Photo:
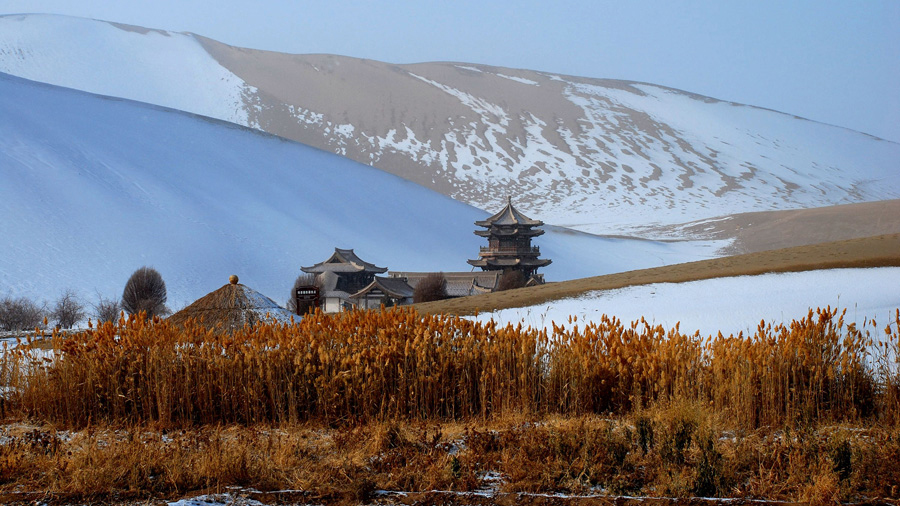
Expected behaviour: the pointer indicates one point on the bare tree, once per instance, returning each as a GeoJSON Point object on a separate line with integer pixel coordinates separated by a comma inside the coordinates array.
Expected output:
{"type": "Point", "coordinates": [145, 292]}
{"type": "Point", "coordinates": [510, 279]}
{"type": "Point", "coordinates": [431, 287]}
{"type": "Point", "coordinates": [20, 314]}
{"type": "Point", "coordinates": [302, 280]}
{"type": "Point", "coordinates": [67, 310]}
{"type": "Point", "coordinates": [107, 310]}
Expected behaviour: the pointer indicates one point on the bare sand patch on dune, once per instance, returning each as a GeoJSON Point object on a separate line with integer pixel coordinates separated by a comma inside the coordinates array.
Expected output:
{"type": "Point", "coordinates": [768, 230]}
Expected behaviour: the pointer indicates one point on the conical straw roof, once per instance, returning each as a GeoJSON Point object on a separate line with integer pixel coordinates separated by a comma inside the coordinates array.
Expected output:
{"type": "Point", "coordinates": [231, 307]}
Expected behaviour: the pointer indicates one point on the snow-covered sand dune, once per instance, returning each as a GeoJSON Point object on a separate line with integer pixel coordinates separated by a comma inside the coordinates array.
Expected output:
{"type": "Point", "coordinates": [154, 66]}
{"type": "Point", "coordinates": [730, 305]}
{"type": "Point", "coordinates": [599, 155]}
{"type": "Point", "coordinates": [92, 188]}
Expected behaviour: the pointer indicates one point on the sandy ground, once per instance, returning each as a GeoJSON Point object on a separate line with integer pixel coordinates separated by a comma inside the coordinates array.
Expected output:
{"type": "Point", "coordinates": [762, 231]}
{"type": "Point", "coordinates": [877, 251]}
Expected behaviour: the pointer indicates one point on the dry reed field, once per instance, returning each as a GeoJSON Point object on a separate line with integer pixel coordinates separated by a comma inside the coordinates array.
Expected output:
{"type": "Point", "coordinates": [338, 406]}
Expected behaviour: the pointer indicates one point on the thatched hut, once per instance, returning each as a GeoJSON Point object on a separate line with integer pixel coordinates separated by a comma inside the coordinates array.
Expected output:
{"type": "Point", "coordinates": [231, 307]}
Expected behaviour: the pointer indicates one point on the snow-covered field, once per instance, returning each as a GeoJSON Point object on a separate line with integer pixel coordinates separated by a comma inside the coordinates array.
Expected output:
{"type": "Point", "coordinates": [730, 305]}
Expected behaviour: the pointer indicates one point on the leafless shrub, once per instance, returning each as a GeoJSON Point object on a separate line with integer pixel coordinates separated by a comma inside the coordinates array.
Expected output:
{"type": "Point", "coordinates": [20, 314]}
{"type": "Point", "coordinates": [107, 310]}
{"type": "Point", "coordinates": [145, 291]}
{"type": "Point", "coordinates": [302, 280]}
{"type": "Point", "coordinates": [511, 279]}
{"type": "Point", "coordinates": [430, 288]}
{"type": "Point", "coordinates": [67, 310]}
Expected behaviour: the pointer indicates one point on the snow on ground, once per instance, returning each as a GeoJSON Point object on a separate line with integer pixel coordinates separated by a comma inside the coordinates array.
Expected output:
{"type": "Point", "coordinates": [266, 309]}
{"type": "Point", "coordinates": [153, 66]}
{"type": "Point", "coordinates": [92, 188]}
{"type": "Point", "coordinates": [730, 305]}
{"type": "Point", "coordinates": [217, 500]}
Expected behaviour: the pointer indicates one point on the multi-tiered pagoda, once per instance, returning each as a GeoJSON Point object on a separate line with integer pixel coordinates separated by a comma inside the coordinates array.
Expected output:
{"type": "Point", "coordinates": [509, 234]}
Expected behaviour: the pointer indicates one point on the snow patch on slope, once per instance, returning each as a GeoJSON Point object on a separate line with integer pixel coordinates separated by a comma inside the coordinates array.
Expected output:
{"type": "Point", "coordinates": [519, 79]}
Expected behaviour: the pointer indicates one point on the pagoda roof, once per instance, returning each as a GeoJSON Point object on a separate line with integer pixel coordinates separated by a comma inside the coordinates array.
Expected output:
{"type": "Point", "coordinates": [343, 260]}
{"type": "Point", "coordinates": [510, 262]}
{"type": "Point", "coordinates": [530, 232]}
{"type": "Point", "coordinates": [509, 215]}
{"type": "Point", "coordinates": [394, 287]}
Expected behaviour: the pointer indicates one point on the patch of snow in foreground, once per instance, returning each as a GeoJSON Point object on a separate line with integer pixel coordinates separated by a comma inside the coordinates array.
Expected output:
{"type": "Point", "coordinates": [216, 500]}
{"type": "Point", "coordinates": [230, 500]}
{"type": "Point", "coordinates": [730, 305]}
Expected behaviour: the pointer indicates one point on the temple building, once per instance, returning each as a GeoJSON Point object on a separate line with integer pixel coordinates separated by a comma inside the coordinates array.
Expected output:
{"type": "Point", "coordinates": [383, 291]}
{"type": "Point", "coordinates": [345, 281]}
{"type": "Point", "coordinates": [340, 277]}
{"type": "Point", "coordinates": [456, 284]}
{"type": "Point", "coordinates": [509, 248]}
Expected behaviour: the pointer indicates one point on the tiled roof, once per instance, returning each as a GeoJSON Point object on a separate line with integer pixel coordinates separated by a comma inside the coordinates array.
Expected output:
{"type": "Point", "coordinates": [500, 231]}
{"type": "Point", "coordinates": [343, 260]}
{"type": "Point", "coordinates": [509, 215]}
{"type": "Point", "coordinates": [394, 287]}
{"type": "Point", "coordinates": [510, 262]}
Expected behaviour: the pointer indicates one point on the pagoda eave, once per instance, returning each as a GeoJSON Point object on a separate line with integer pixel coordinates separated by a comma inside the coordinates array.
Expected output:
{"type": "Point", "coordinates": [510, 262]}
{"type": "Point", "coordinates": [488, 223]}
{"type": "Point", "coordinates": [502, 232]}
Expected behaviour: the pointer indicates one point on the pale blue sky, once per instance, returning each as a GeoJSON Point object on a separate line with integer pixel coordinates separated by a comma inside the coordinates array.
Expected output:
{"type": "Point", "coordinates": [832, 61]}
